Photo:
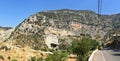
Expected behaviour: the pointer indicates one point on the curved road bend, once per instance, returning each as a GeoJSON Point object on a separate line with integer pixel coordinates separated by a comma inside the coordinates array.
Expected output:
{"type": "Point", "coordinates": [107, 55]}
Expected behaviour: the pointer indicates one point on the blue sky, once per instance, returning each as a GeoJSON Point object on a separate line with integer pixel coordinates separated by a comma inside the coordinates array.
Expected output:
{"type": "Point", "coordinates": [13, 12]}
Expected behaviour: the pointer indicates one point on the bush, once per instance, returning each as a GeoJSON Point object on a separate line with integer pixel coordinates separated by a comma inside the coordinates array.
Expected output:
{"type": "Point", "coordinates": [39, 59]}
{"type": "Point", "coordinates": [4, 47]}
{"type": "Point", "coordinates": [57, 56]}
{"type": "Point", "coordinates": [1, 57]}
{"type": "Point", "coordinates": [82, 48]}
{"type": "Point", "coordinates": [13, 60]}
{"type": "Point", "coordinates": [9, 57]}
{"type": "Point", "coordinates": [33, 58]}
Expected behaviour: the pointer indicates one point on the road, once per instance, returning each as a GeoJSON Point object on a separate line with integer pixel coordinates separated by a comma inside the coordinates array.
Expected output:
{"type": "Point", "coordinates": [107, 55]}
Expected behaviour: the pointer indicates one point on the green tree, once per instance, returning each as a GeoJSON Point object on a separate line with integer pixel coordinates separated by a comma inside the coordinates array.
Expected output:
{"type": "Point", "coordinates": [82, 48]}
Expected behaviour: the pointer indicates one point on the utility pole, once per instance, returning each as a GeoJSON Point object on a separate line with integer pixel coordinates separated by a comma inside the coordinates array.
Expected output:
{"type": "Point", "coordinates": [99, 7]}
{"type": "Point", "coordinates": [99, 13]}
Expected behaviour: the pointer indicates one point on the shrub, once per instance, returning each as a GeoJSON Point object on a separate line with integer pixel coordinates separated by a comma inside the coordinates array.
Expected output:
{"type": "Point", "coordinates": [39, 59]}
{"type": "Point", "coordinates": [9, 57]}
{"type": "Point", "coordinates": [13, 60]}
{"type": "Point", "coordinates": [57, 56]}
{"type": "Point", "coordinates": [1, 57]}
{"type": "Point", "coordinates": [82, 48]}
{"type": "Point", "coordinates": [33, 58]}
{"type": "Point", "coordinates": [4, 47]}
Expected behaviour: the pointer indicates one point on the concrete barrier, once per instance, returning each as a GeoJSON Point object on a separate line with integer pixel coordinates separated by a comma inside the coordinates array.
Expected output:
{"type": "Point", "coordinates": [92, 55]}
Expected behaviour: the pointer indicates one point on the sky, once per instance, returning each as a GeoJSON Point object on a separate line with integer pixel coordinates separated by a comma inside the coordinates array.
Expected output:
{"type": "Point", "coordinates": [13, 12]}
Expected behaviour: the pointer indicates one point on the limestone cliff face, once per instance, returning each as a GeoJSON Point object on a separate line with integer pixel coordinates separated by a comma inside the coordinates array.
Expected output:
{"type": "Point", "coordinates": [43, 28]}
{"type": "Point", "coordinates": [5, 33]}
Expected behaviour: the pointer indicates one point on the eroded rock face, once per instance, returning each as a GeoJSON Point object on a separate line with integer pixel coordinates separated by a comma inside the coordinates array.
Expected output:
{"type": "Point", "coordinates": [51, 41]}
{"type": "Point", "coordinates": [5, 33]}
{"type": "Point", "coordinates": [41, 29]}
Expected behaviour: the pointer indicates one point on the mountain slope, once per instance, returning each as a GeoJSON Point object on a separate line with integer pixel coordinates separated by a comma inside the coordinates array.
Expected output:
{"type": "Point", "coordinates": [5, 32]}
{"type": "Point", "coordinates": [41, 30]}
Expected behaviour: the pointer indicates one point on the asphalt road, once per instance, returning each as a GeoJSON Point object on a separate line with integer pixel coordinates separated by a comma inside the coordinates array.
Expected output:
{"type": "Point", "coordinates": [107, 55]}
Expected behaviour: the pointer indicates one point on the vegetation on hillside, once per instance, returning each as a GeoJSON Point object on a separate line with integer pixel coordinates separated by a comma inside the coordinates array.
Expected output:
{"type": "Point", "coordinates": [80, 47]}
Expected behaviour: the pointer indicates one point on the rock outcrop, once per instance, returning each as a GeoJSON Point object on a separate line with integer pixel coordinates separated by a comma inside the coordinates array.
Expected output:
{"type": "Point", "coordinates": [5, 33]}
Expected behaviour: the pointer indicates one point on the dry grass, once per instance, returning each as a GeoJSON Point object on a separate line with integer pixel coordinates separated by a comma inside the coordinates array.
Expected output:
{"type": "Point", "coordinates": [20, 54]}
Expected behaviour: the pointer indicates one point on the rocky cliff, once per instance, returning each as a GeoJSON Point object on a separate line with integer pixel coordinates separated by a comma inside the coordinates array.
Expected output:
{"type": "Point", "coordinates": [46, 29]}
{"type": "Point", "coordinates": [5, 33]}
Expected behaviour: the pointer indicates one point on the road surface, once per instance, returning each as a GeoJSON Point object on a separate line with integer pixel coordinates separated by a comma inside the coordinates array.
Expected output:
{"type": "Point", "coordinates": [107, 55]}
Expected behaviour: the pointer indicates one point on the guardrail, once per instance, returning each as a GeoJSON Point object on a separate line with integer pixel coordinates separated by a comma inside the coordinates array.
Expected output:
{"type": "Point", "coordinates": [92, 55]}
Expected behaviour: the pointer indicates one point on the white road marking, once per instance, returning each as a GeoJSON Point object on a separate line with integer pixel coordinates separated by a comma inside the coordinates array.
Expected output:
{"type": "Point", "coordinates": [103, 56]}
